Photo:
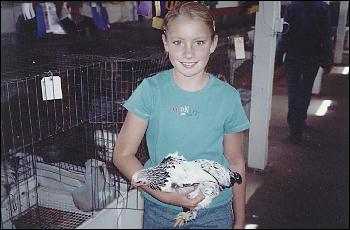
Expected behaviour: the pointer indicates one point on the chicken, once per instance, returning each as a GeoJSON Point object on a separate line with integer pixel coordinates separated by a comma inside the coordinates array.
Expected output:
{"type": "Point", "coordinates": [175, 173]}
{"type": "Point", "coordinates": [99, 189]}
{"type": "Point", "coordinates": [8, 179]}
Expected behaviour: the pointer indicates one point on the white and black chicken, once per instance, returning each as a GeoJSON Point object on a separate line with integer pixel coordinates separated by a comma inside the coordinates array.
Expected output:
{"type": "Point", "coordinates": [175, 173]}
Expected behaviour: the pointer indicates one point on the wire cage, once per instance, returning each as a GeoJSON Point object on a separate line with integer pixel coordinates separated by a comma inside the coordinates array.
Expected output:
{"type": "Point", "coordinates": [61, 115]}
{"type": "Point", "coordinates": [237, 72]}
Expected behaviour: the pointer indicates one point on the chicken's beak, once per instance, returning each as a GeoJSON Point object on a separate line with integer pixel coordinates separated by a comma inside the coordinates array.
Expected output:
{"type": "Point", "coordinates": [138, 184]}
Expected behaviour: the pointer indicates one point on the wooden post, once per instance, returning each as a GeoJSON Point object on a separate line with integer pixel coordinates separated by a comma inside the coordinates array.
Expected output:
{"type": "Point", "coordinates": [266, 22]}
{"type": "Point", "coordinates": [339, 45]}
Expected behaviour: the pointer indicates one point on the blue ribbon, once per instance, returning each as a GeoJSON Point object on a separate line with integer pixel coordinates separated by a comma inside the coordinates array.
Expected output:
{"type": "Point", "coordinates": [100, 19]}
{"type": "Point", "coordinates": [40, 22]}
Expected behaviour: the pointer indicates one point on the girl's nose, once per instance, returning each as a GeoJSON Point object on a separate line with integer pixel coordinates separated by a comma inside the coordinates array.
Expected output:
{"type": "Point", "coordinates": [188, 52]}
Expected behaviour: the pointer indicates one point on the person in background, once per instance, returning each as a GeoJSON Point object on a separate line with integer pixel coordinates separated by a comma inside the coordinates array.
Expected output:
{"type": "Point", "coordinates": [307, 45]}
{"type": "Point", "coordinates": [74, 23]}
{"type": "Point", "coordinates": [188, 110]}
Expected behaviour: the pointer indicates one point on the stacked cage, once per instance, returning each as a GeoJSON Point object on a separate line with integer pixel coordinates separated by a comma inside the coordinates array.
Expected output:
{"type": "Point", "coordinates": [224, 64]}
{"type": "Point", "coordinates": [61, 114]}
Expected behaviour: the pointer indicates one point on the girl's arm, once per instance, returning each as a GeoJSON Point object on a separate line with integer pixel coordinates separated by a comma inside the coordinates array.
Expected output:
{"type": "Point", "coordinates": [234, 154]}
{"type": "Point", "coordinates": [128, 141]}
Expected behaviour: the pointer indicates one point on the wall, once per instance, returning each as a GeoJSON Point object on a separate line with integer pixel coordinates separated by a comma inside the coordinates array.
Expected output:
{"type": "Point", "coordinates": [9, 15]}
{"type": "Point", "coordinates": [222, 4]}
{"type": "Point", "coordinates": [117, 11]}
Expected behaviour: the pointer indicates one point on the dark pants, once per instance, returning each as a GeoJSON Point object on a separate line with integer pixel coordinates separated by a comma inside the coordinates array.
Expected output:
{"type": "Point", "coordinates": [300, 80]}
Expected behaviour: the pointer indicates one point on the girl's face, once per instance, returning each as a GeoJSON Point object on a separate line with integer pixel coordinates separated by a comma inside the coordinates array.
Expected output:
{"type": "Point", "coordinates": [189, 44]}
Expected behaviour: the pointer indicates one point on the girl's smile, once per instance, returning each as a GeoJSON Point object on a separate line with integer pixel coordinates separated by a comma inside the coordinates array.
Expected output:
{"type": "Point", "coordinates": [188, 64]}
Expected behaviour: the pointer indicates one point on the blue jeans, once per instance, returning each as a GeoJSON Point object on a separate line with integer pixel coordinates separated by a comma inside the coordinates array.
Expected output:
{"type": "Point", "coordinates": [159, 217]}
{"type": "Point", "coordinates": [300, 79]}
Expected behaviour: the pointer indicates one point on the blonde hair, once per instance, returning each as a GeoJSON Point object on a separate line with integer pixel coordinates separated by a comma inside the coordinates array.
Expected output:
{"type": "Point", "coordinates": [193, 10]}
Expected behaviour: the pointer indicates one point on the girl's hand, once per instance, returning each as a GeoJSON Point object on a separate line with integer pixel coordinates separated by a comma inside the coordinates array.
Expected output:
{"type": "Point", "coordinates": [181, 198]}
{"type": "Point", "coordinates": [188, 197]}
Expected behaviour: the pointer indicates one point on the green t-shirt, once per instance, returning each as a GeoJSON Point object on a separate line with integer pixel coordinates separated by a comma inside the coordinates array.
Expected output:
{"type": "Point", "coordinates": [190, 123]}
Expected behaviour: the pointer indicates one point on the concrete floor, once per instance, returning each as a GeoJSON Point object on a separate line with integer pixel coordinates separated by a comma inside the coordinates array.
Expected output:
{"type": "Point", "coordinates": [305, 185]}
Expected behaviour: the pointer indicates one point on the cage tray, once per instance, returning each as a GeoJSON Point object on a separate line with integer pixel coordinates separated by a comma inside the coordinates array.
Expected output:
{"type": "Point", "coordinates": [49, 218]}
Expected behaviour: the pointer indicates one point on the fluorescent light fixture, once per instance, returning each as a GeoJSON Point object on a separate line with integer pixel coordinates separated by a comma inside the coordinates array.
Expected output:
{"type": "Point", "coordinates": [345, 70]}
{"type": "Point", "coordinates": [322, 109]}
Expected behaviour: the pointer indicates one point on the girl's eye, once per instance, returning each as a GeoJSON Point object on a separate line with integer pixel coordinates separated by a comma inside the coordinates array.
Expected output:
{"type": "Point", "coordinates": [200, 43]}
{"type": "Point", "coordinates": [177, 43]}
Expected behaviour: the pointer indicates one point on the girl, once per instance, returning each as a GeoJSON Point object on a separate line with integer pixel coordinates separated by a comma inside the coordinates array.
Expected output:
{"type": "Point", "coordinates": [188, 110]}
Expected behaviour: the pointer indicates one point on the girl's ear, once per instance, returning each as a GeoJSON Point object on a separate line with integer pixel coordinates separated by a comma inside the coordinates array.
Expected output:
{"type": "Point", "coordinates": [214, 43]}
{"type": "Point", "coordinates": [165, 43]}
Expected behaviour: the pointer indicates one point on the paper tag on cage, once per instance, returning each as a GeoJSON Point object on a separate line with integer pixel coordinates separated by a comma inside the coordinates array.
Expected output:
{"type": "Point", "coordinates": [157, 23]}
{"type": "Point", "coordinates": [239, 47]}
{"type": "Point", "coordinates": [51, 88]}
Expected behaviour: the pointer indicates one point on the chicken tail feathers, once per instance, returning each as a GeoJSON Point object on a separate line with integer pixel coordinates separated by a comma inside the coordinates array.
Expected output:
{"type": "Point", "coordinates": [235, 177]}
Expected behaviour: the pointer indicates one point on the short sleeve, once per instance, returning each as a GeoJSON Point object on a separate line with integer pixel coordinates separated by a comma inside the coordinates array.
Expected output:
{"type": "Point", "coordinates": [140, 103]}
{"type": "Point", "coordinates": [236, 120]}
